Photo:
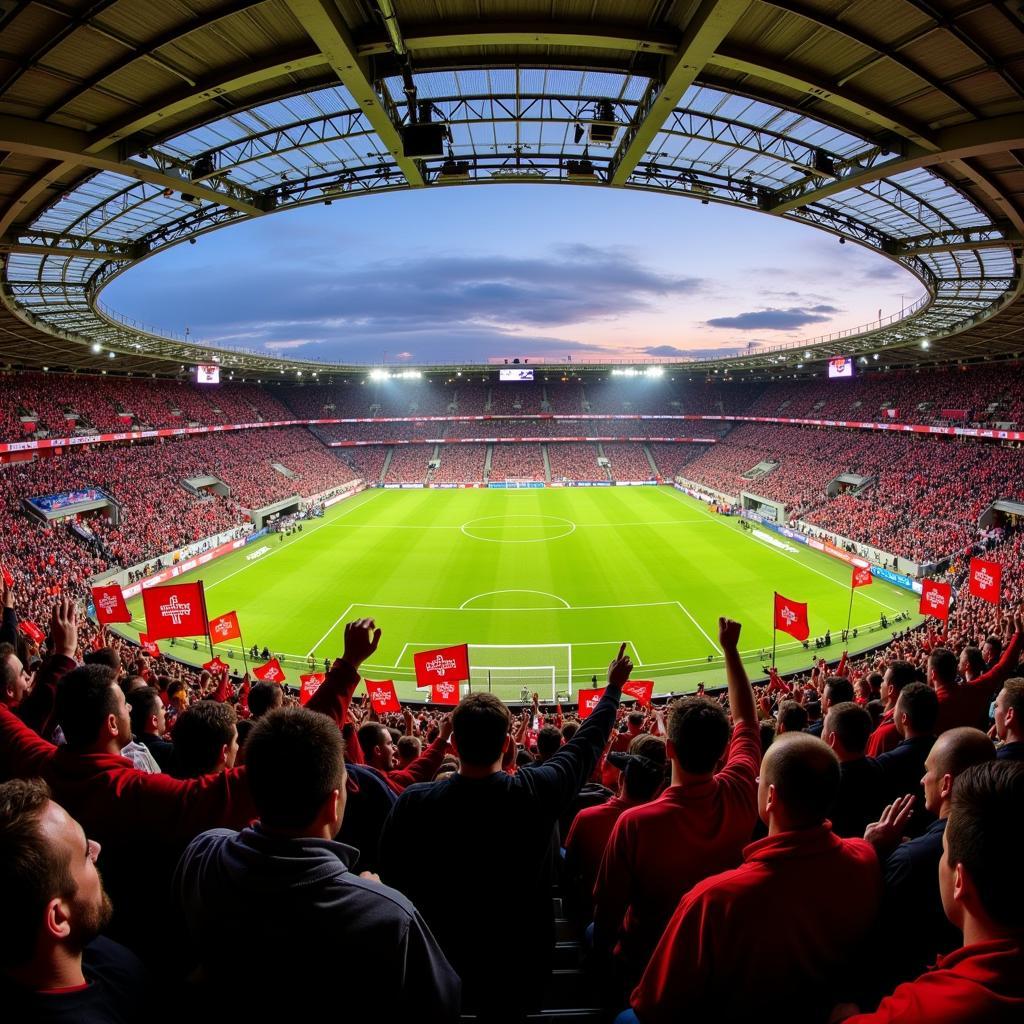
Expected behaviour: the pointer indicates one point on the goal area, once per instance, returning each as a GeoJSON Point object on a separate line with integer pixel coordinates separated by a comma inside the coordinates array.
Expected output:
{"type": "Point", "coordinates": [516, 671]}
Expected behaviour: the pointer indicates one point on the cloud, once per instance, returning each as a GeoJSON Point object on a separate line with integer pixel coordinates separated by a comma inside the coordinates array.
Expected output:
{"type": "Point", "coordinates": [773, 319]}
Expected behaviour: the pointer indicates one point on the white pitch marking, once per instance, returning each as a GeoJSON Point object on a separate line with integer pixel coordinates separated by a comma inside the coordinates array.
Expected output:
{"type": "Point", "coordinates": [768, 547]}
{"type": "Point", "coordinates": [488, 593]}
{"type": "Point", "coordinates": [686, 612]}
{"type": "Point", "coordinates": [330, 631]}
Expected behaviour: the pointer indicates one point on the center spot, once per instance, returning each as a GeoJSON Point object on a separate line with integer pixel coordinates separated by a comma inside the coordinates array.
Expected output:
{"type": "Point", "coordinates": [518, 529]}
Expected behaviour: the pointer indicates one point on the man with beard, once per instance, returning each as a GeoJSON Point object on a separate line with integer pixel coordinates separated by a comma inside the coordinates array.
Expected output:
{"type": "Point", "coordinates": [54, 965]}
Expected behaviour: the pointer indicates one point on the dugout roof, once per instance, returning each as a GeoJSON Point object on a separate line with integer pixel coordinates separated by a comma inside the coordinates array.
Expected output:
{"type": "Point", "coordinates": [127, 126]}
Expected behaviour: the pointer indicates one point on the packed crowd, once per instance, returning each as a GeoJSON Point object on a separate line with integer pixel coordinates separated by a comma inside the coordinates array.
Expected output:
{"type": "Point", "coordinates": [570, 461]}
{"type": "Point", "coordinates": [628, 461]}
{"type": "Point", "coordinates": [460, 464]}
{"type": "Point", "coordinates": [519, 461]}
{"type": "Point", "coordinates": [408, 463]}
{"type": "Point", "coordinates": [832, 847]}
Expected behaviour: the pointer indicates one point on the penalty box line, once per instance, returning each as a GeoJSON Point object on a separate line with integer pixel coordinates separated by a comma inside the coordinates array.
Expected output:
{"type": "Point", "coordinates": [524, 647]}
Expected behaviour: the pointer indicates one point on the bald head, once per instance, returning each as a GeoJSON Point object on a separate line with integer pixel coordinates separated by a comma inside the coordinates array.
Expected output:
{"type": "Point", "coordinates": [799, 781]}
{"type": "Point", "coordinates": [952, 753]}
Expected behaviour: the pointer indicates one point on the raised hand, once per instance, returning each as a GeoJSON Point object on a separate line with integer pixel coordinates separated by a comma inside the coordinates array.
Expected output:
{"type": "Point", "coordinates": [728, 634]}
{"type": "Point", "coordinates": [447, 725]}
{"type": "Point", "coordinates": [361, 640]}
{"type": "Point", "coordinates": [64, 627]}
{"type": "Point", "coordinates": [886, 833]}
{"type": "Point", "coordinates": [619, 668]}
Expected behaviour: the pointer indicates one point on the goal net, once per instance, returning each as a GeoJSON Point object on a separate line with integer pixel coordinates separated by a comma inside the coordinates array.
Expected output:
{"type": "Point", "coordinates": [517, 671]}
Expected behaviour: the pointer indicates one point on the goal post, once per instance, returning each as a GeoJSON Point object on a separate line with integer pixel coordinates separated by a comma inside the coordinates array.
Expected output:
{"type": "Point", "coordinates": [509, 670]}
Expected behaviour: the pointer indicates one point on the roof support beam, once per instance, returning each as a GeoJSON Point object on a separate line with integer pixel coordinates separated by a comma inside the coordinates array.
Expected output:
{"type": "Point", "coordinates": [588, 36]}
{"type": "Point", "coordinates": [327, 29]}
{"type": "Point", "coordinates": [709, 25]}
{"type": "Point", "coordinates": [974, 138]}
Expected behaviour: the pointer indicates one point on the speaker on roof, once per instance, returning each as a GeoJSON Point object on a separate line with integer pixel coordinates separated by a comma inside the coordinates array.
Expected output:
{"type": "Point", "coordinates": [423, 139]}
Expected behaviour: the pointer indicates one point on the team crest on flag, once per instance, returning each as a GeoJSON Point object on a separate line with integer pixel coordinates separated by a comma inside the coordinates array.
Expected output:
{"type": "Point", "coordinates": [862, 576]}
{"type": "Point", "coordinates": [225, 627]}
{"type": "Point", "coordinates": [589, 699]}
{"type": "Point", "coordinates": [110, 605]}
{"type": "Point", "coordinates": [382, 695]}
{"type": "Point", "coordinates": [178, 609]}
{"type": "Point", "coordinates": [935, 599]}
{"type": "Point", "coordinates": [271, 672]}
{"type": "Point", "coordinates": [640, 689]}
{"type": "Point", "coordinates": [148, 645]}
{"type": "Point", "coordinates": [444, 693]}
{"type": "Point", "coordinates": [216, 667]}
{"type": "Point", "coordinates": [986, 580]}
{"type": "Point", "coordinates": [446, 665]}
{"type": "Point", "coordinates": [310, 684]}
{"type": "Point", "coordinates": [791, 617]}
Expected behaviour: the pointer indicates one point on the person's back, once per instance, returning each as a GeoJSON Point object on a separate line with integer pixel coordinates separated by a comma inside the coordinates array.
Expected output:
{"type": "Point", "coordinates": [361, 942]}
{"type": "Point", "coordinates": [847, 729]}
{"type": "Point", "coordinates": [769, 939]}
{"type": "Point", "coordinates": [476, 852]}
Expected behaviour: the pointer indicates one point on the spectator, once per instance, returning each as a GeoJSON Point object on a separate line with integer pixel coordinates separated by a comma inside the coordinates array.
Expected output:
{"type": "Point", "coordinates": [205, 740]}
{"type": "Point", "coordinates": [792, 717]}
{"type": "Point", "coordinates": [149, 723]}
{"type": "Point", "coordinates": [54, 964]}
{"type": "Point", "coordinates": [698, 826]}
{"type": "Point", "coordinates": [378, 751]}
{"type": "Point", "coordinates": [887, 736]}
{"type": "Point", "coordinates": [286, 875]}
{"type": "Point", "coordinates": [912, 924]}
{"type": "Point", "coordinates": [1009, 717]}
{"type": "Point", "coordinates": [981, 981]}
{"type": "Point", "coordinates": [491, 826]}
{"type": "Point", "coordinates": [717, 959]}
{"type": "Point", "coordinates": [837, 690]}
{"type": "Point", "coordinates": [264, 697]}
{"type": "Point", "coordinates": [846, 731]}
{"type": "Point", "coordinates": [407, 750]}
{"type": "Point", "coordinates": [917, 710]}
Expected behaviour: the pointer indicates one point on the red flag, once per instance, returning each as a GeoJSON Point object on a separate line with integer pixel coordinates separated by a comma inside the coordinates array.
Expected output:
{"type": "Point", "coordinates": [225, 628]}
{"type": "Point", "coordinates": [641, 689]}
{"type": "Point", "coordinates": [589, 699]}
{"type": "Point", "coordinates": [310, 684]}
{"type": "Point", "coordinates": [97, 642]}
{"type": "Point", "coordinates": [178, 609]}
{"type": "Point", "coordinates": [216, 667]}
{"type": "Point", "coordinates": [862, 576]}
{"type": "Point", "coordinates": [791, 617]}
{"type": "Point", "coordinates": [986, 580]}
{"type": "Point", "coordinates": [243, 696]}
{"type": "Point", "coordinates": [149, 646]}
{"type": "Point", "coordinates": [271, 672]}
{"type": "Point", "coordinates": [446, 665]}
{"type": "Point", "coordinates": [444, 693]}
{"type": "Point", "coordinates": [32, 631]}
{"type": "Point", "coordinates": [8, 578]}
{"type": "Point", "coordinates": [223, 693]}
{"type": "Point", "coordinates": [935, 599]}
{"type": "Point", "coordinates": [382, 696]}
{"type": "Point", "coordinates": [109, 604]}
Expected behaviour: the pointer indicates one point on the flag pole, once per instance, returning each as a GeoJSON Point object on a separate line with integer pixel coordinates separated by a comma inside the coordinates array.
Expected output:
{"type": "Point", "coordinates": [849, 614]}
{"type": "Point", "coordinates": [775, 598]}
{"type": "Point", "coordinates": [206, 619]}
{"type": "Point", "coordinates": [241, 640]}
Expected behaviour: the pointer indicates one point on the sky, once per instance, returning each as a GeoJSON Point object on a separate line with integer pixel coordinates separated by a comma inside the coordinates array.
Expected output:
{"type": "Point", "coordinates": [538, 271]}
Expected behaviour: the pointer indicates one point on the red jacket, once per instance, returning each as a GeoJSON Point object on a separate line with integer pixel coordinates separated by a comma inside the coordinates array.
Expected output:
{"type": "Point", "coordinates": [423, 769]}
{"type": "Point", "coordinates": [967, 704]}
{"type": "Point", "coordinates": [885, 738]}
{"type": "Point", "coordinates": [983, 984]}
{"type": "Point", "coordinates": [768, 939]}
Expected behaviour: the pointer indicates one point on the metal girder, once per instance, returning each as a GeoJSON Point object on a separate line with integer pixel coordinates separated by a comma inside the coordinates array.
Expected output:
{"type": "Point", "coordinates": [327, 29]}
{"type": "Point", "coordinates": [70, 149]}
{"type": "Point", "coordinates": [43, 249]}
{"type": "Point", "coordinates": [707, 28]}
{"type": "Point", "coordinates": [586, 36]}
{"type": "Point", "coordinates": [961, 245]}
{"type": "Point", "coordinates": [974, 138]}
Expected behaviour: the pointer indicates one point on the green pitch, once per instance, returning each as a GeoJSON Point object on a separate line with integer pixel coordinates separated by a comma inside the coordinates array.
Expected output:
{"type": "Point", "coordinates": [542, 583]}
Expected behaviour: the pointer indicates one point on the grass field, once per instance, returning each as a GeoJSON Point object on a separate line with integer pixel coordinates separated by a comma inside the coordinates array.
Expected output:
{"type": "Point", "coordinates": [535, 581]}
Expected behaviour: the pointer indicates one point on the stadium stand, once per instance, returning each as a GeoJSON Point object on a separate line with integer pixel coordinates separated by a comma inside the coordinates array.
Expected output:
{"type": "Point", "coordinates": [571, 461]}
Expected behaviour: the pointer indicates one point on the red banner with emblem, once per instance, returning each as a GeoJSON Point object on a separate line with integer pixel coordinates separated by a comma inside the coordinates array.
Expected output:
{"type": "Point", "coordinates": [986, 580]}
{"type": "Point", "coordinates": [216, 667]}
{"type": "Point", "coordinates": [271, 672]}
{"type": "Point", "coordinates": [640, 689]}
{"type": "Point", "coordinates": [178, 609]}
{"type": "Point", "coordinates": [444, 693]}
{"type": "Point", "coordinates": [935, 599]}
{"type": "Point", "coordinates": [862, 576]}
{"type": "Point", "coordinates": [445, 665]}
{"type": "Point", "coordinates": [589, 699]}
{"type": "Point", "coordinates": [310, 684]}
{"type": "Point", "coordinates": [224, 628]}
{"type": "Point", "coordinates": [148, 645]}
{"type": "Point", "coordinates": [791, 617]}
{"type": "Point", "coordinates": [382, 695]}
{"type": "Point", "coordinates": [110, 604]}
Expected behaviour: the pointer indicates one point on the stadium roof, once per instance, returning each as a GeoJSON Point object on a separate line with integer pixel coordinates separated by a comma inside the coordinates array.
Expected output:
{"type": "Point", "coordinates": [128, 126]}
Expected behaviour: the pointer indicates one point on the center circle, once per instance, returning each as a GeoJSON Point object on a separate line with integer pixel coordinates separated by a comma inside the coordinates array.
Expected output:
{"type": "Point", "coordinates": [525, 529]}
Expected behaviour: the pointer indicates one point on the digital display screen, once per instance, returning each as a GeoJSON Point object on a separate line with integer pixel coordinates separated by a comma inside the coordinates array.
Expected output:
{"type": "Point", "coordinates": [516, 374]}
{"type": "Point", "coordinates": [840, 367]}
{"type": "Point", "coordinates": [208, 373]}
